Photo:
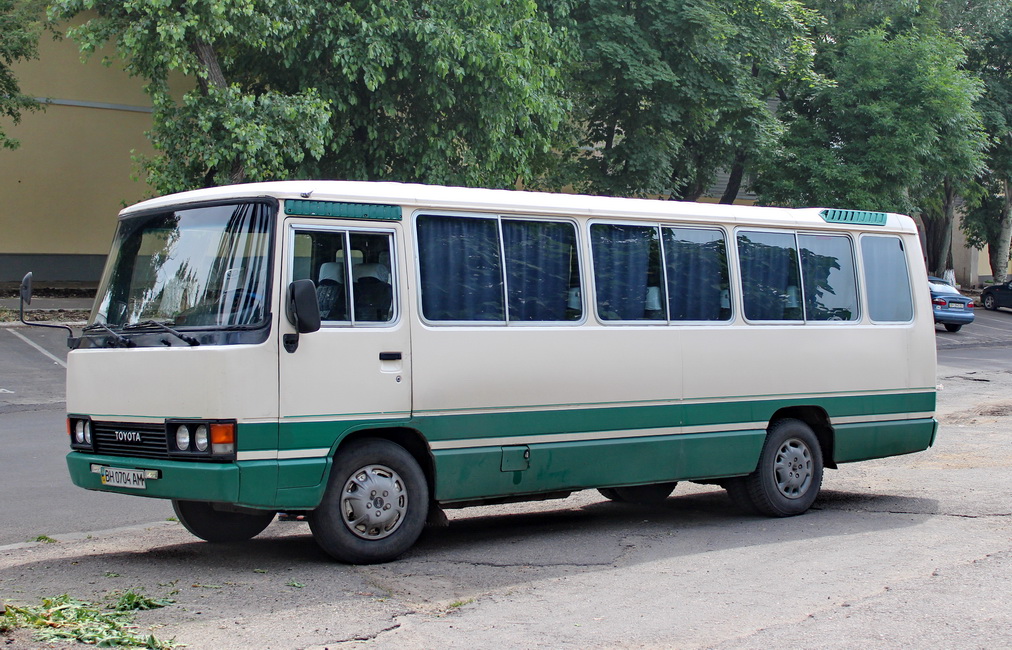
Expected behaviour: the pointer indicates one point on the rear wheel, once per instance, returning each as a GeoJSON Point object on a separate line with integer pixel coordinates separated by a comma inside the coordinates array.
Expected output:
{"type": "Point", "coordinates": [641, 494]}
{"type": "Point", "coordinates": [203, 520]}
{"type": "Point", "coordinates": [789, 474]}
{"type": "Point", "coordinates": [989, 302]}
{"type": "Point", "coordinates": [375, 506]}
{"type": "Point", "coordinates": [952, 327]}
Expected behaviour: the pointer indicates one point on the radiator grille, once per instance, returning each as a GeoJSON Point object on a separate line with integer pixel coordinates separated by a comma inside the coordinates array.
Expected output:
{"type": "Point", "coordinates": [121, 439]}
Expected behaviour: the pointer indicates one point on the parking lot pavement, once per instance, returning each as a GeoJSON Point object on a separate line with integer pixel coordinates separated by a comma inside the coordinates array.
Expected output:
{"type": "Point", "coordinates": [989, 328]}
{"type": "Point", "coordinates": [34, 368]}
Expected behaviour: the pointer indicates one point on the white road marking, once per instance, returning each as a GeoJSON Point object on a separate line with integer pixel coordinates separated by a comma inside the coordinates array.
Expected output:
{"type": "Point", "coordinates": [38, 347]}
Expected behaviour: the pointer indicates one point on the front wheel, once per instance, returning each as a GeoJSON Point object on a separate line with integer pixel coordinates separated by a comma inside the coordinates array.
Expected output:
{"type": "Point", "coordinates": [375, 505]}
{"type": "Point", "coordinates": [989, 302]}
{"type": "Point", "coordinates": [213, 525]}
{"type": "Point", "coordinates": [951, 327]}
{"type": "Point", "coordinates": [789, 474]}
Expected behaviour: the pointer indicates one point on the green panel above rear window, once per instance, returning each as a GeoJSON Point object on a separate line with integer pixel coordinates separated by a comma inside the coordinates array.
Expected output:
{"type": "Point", "coordinates": [340, 209]}
{"type": "Point", "coordinates": [861, 217]}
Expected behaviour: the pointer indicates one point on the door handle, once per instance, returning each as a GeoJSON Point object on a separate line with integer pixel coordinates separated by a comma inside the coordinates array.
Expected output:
{"type": "Point", "coordinates": [390, 356]}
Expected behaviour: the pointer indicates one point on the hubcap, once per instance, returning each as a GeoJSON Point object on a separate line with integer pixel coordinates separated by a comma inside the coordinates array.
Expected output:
{"type": "Point", "coordinates": [793, 468]}
{"type": "Point", "coordinates": [374, 501]}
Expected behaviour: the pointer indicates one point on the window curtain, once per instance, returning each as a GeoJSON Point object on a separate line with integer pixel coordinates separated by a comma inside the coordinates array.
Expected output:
{"type": "Point", "coordinates": [770, 276]}
{"type": "Point", "coordinates": [461, 275]}
{"type": "Point", "coordinates": [697, 274]}
{"type": "Point", "coordinates": [538, 261]}
{"type": "Point", "coordinates": [242, 252]}
{"type": "Point", "coordinates": [621, 268]}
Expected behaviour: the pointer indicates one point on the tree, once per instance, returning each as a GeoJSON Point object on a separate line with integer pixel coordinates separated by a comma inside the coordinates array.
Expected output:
{"type": "Point", "coordinates": [988, 216]}
{"type": "Point", "coordinates": [896, 131]}
{"type": "Point", "coordinates": [462, 91]}
{"type": "Point", "coordinates": [21, 27]}
{"type": "Point", "coordinates": [668, 92]}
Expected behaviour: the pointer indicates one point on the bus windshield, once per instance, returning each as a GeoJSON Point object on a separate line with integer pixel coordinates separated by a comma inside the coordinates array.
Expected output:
{"type": "Point", "coordinates": [200, 267]}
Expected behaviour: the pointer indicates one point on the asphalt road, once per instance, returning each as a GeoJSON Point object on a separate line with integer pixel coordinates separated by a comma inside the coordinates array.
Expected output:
{"type": "Point", "coordinates": [37, 495]}
{"type": "Point", "coordinates": [911, 551]}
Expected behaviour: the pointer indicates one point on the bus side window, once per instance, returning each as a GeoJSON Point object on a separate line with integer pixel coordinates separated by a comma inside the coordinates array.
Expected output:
{"type": "Point", "coordinates": [699, 288]}
{"type": "Point", "coordinates": [886, 279]}
{"type": "Point", "coordinates": [770, 276]}
{"type": "Point", "coordinates": [627, 273]}
{"type": "Point", "coordinates": [542, 273]}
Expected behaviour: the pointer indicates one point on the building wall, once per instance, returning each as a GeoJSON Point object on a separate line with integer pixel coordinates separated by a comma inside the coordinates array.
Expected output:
{"type": "Point", "coordinates": [62, 188]}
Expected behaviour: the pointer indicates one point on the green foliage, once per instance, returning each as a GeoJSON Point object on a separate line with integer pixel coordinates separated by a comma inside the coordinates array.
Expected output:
{"type": "Point", "coordinates": [132, 601]}
{"type": "Point", "coordinates": [466, 92]}
{"type": "Point", "coordinates": [20, 27]}
{"type": "Point", "coordinates": [989, 30]}
{"type": "Point", "coordinates": [898, 120]}
{"type": "Point", "coordinates": [670, 90]}
{"type": "Point", "coordinates": [63, 618]}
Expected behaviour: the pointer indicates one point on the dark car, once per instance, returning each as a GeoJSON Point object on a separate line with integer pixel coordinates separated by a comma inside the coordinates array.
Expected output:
{"type": "Point", "coordinates": [997, 295]}
{"type": "Point", "coordinates": [951, 308]}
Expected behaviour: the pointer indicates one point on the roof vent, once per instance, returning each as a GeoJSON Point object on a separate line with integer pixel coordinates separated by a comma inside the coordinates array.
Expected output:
{"type": "Point", "coordinates": [861, 217]}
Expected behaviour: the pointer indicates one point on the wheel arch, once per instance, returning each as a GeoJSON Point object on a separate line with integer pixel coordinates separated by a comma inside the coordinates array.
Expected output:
{"type": "Point", "coordinates": [410, 439]}
{"type": "Point", "coordinates": [818, 420]}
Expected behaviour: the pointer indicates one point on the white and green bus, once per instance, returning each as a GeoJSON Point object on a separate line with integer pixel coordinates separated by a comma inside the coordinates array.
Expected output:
{"type": "Point", "coordinates": [367, 354]}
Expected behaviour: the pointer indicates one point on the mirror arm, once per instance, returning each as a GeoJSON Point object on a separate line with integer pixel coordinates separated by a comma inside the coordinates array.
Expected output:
{"type": "Point", "coordinates": [26, 297]}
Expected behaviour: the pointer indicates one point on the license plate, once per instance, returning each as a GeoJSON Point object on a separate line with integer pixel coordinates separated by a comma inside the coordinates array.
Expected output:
{"type": "Point", "coordinates": [128, 478]}
{"type": "Point", "coordinates": [955, 305]}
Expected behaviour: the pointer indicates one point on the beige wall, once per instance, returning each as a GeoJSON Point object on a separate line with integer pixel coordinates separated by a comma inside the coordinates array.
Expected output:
{"type": "Point", "coordinates": [60, 191]}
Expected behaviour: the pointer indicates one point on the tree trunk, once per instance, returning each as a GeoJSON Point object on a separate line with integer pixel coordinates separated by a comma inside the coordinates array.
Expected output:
{"type": "Point", "coordinates": [209, 59]}
{"type": "Point", "coordinates": [734, 179]}
{"type": "Point", "coordinates": [938, 232]}
{"type": "Point", "coordinates": [998, 251]}
{"type": "Point", "coordinates": [215, 78]}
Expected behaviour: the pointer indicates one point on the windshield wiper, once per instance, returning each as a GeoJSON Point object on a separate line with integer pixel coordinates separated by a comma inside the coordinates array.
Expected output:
{"type": "Point", "coordinates": [186, 338]}
{"type": "Point", "coordinates": [121, 341]}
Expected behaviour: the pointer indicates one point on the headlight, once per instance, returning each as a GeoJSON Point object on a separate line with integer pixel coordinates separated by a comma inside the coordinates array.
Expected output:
{"type": "Point", "coordinates": [87, 431]}
{"type": "Point", "coordinates": [182, 437]}
{"type": "Point", "coordinates": [200, 438]}
{"type": "Point", "coordinates": [79, 432]}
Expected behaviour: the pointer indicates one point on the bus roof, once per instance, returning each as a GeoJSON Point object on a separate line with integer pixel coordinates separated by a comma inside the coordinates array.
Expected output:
{"type": "Point", "coordinates": [465, 199]}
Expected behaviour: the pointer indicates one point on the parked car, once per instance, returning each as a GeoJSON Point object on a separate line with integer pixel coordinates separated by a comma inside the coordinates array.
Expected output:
{"type": "Point", "coordinates": [997, 295]}
{"type": "Point", "coordinates": [951, 308]}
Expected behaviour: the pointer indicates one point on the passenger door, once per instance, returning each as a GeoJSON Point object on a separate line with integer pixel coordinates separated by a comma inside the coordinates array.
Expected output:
{"type": "Point", "coordinates": [356, 370]}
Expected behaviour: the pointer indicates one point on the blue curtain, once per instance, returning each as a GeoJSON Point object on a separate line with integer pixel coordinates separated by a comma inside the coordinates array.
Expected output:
{"type": "Point", "coordinates": [461, 274]}
{"type": "Point", "coordinates": [770, 276]}
{"type": "Point", "coordinates": [621, 269]}
{"type": "Point", "coordinates": [698, 286]}
{"type": "Point", "coordinates": [540, 256]}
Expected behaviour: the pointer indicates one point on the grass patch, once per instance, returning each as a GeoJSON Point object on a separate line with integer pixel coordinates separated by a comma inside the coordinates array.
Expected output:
{"type": "Point", "coordinates": [63, 618]}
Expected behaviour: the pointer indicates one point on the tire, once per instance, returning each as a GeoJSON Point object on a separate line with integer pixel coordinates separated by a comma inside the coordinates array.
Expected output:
{"type": "Point", "coordinates": [738, 491]}
{"type": "Point", "coordinates": [989, 302]}
{"type": "Point", "coordinates": [201, 519]}
{"type": "Point", "coordinates": [951, 327]}
{"type": "Point", "coordinates": [375, 505]}
{"type": "Point", "coordinates": [640, 494]}
{"type": "Point", "coordinates": [789, 475]}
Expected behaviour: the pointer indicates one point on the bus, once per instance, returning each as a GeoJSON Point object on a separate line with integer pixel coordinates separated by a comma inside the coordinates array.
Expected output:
{"type": "Point", "coordinates": [368, 354]}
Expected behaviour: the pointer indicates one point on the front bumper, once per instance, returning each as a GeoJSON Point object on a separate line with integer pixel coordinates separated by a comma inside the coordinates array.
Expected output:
{"type": "Point", "coordinates": [177, 480]}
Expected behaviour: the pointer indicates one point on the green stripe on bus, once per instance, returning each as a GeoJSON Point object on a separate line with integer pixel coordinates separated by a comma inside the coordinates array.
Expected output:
{"type": "Point", "coordinates": [340, 209]}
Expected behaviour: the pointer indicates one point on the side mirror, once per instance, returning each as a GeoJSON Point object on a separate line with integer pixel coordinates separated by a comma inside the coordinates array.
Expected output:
{"type": "Point", "coordinates": [26, 289]}
{"type": "Point", "coordinates": [303, 311]}
{"type": "Point", "coordinates": [26, 299]}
